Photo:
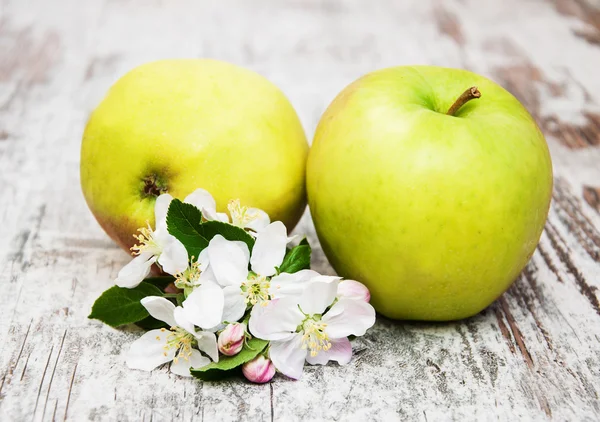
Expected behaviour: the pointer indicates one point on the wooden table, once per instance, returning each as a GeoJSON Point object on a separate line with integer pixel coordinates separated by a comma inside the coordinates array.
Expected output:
{"type": "Point", "coordinates": [534, 354]}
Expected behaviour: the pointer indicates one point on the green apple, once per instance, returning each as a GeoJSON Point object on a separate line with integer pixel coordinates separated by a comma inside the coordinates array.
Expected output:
{"type": "Point", "coordinates": [177, 125]}
{"type": "Point", "coordinates": [436, 212]}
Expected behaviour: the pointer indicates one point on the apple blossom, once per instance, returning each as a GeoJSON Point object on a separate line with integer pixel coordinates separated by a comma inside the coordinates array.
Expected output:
{"type": "Point", "coordinates": [231, 339]}
{"type": "Point", "coordinates": [204, 201]}
{"type": "Point", "coordinates": [180, 344]}
{"type": "Point", "coordinates": [313, 327]}
{"type": "Point", "coordinates": [254, 219]}
{"type": "Point", "coordinates": [354, 290]}
{"type": "Point", "coordinates": [259, 370]}
{"type": "Point", "coordinates": [154, 246]}
{"type": "Point", "coordinates": [226, 262]}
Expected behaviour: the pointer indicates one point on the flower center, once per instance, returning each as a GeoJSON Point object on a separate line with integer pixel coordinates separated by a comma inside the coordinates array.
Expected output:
{"type": "Point", "coordinates": [315, 338]}
{"type": "Point", "coordinates": [190, 277]}
{"type": "Point", "coordinates": [240, 215]}
{"type": "Point", "coordinates": [256, 289]}
{"type": "Point", "coordinates": [180, 340]}
{"type": "Point", "coordinates": [146, 240]}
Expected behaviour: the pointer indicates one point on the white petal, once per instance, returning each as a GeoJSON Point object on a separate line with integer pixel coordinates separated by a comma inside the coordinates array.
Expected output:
{"type": "Point", "coordinates": [182, 320]}
{"type": "Point", "coordinates": [207, 276]}
{"type": "Point", "coordinates": [160, 308]}
{"type": "Point", "coordinates": [235, 304]}
{"type": "Point", "coordinates": [204, 306]}
{"type": "Point", "coordinates": [355, 318]}
{"type": "Point", "coordinates": [260, 221]}
{"type": "Point", "coordinates": [269, 249]}
{"type": "Point", "coordinates": [206, 273]}
{"type": "Point", "coordinates": [213, 215]}
{"type": "Point", "coordinates": [182, 367]}
{"type": "Point", "coordinates": [276, 320]}
{"type": "Point", "coordinates": [294, 237]}
{"type": "Point", "coordinates": [289, 356]}
{"type": "Point", "coordinates": [318, 296]}
{"type": "Point", "coordinates": [222, 217]}
{"type": "Point", "coordinates": [207, 342]}
{"type": "Point", "coordinates": [286, 284]}
{"type": "Point", "coordinates": [244, 248]}
{"type": "Point", "coordinates": [228, 261]}
{"type": "Point", "coordinates": [147, 352]}
{"type": "Point", "coordinates": [341, 352]}
{"type": "Point", "coordinates": [201, 199]}
{"type": "Point", "coordinates": [174, 257]}
{"type": "Point", "coordinates": [161, 206]}
{"type": "Point", "coordinates": [203, 259]}
{"type": "Point", "coordinates": [354, 290]}
{"type": "Point", "coordinates": [132, 274]}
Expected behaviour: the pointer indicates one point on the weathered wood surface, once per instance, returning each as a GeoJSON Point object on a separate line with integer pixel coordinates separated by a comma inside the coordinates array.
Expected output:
{"type": "Point", "coordinates": [534, 354]}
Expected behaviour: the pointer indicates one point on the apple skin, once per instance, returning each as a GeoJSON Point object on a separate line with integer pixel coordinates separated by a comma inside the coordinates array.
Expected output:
{"type": "Point", "coordinates": [177, 125]}
{"type": "Point", "coordinates": [436, 214]}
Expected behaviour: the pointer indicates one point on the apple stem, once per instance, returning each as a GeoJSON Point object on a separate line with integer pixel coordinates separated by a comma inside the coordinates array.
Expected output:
{"type": "Point", "coordinates": [465, 97]}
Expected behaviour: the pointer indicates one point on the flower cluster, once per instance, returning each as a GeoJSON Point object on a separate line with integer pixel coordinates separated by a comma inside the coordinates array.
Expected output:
{"type": "Point", "coordinates": [238, 295]}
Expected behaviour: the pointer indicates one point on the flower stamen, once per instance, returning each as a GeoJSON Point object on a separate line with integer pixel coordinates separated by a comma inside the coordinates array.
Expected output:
{"type": "Point", "coordinates": [190, 277]}
{"type": "Point", "coordinates": [182, 341]}
{"type": "Point", "coordinates": [315, 339]}
{"type": "Point", "coordinates": [240, 214]}
{"type": "Point", "coordinates": [146, 240]}
{"type": "Point", "coordinates": [256, 289]}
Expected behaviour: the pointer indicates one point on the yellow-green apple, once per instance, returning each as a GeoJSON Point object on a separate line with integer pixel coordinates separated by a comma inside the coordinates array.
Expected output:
{"type": "Point", "coordinates": [431, 196]}
{"type": "Point", "coordinates": [177, 125]}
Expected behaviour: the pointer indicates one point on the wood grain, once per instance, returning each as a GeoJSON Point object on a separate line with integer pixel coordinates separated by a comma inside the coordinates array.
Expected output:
{"type": "Point", "coordinates": [532, 355]}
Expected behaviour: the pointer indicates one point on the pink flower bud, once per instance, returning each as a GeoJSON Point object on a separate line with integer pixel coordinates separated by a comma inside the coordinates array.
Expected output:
{"type": "Point", "coordinates": [231, 339]}
{"type": "Point", "coordinates": [259, 370]}
{"type": "Point", "coordinates": [353, 290]}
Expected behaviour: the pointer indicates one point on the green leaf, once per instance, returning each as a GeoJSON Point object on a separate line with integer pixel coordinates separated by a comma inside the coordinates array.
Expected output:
{"type": "Point", "coordinates": [210, 229]}
{"type": "Point", "coordinates": [296, 259]}
{"type": "Point", "coordinates": [160, 282]}
{"type": "Point", "coordinates": [218, 370]}
{"type": "Point", "coordinates": [119, 306]}
{"type": "Point", "coordinates": [184, 221]}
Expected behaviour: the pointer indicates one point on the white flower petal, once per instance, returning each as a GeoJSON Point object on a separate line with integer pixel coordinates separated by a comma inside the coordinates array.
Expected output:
{"type": "Point", "coordinates": [161, 206]}
{"type": "Point", "coordinates": [294, 237]}
{"type": "Point", "coordinates": [132, 274]}
{"type": "Point", "coordinates": [148, 352]}
{"type": "Point", "coordinates": [207, 342]}
{"type": "Point", "coordinates": [354, 290]}
{"type": "Point", "coordinates": [244, 248]}
{"type": "Point", "coordinates": [276, 320]}
{"type": "Point", "coordinates": [269, 249]}
{"type": "Point", "coordinates": [207, 276]}
{"type": "Point", "coordinates": [341, 352]}
{"type": "Point", "coordinates": [203, 259]}
{"type": "Point", "coordinates": [160, 308]}
{"type": "Point", "coordinates": [206, 272]}
{"type": "Point", "coordinates": [182, 320]}
{"type": "Point", "coordinates": [228, 261]}
{"type": "Point", "coordinates": [286, 284]}
{"type": "Point", "coordinates": [201, 199]}
{"type": "Point", "coordinates": [174, 257]}
{"type": "Point", "coordinates": [182, 366]}
{"type": "Point", "coordinates": [289, 356]}
{"type": "Point", "coordinates": [222, 217]}
{"type": "Point", "coordinates": [317, 296]}
{"type": "Point", "coordinates": [235, 304]}
{"type": "Point", "coordinates": [260, 221]}
{"type": "Point", "coordinates": [355, 318]}
{"type": "Point", "coordinates": [204, 306]}
{"type": "Point", "coordinates": [213, 215]}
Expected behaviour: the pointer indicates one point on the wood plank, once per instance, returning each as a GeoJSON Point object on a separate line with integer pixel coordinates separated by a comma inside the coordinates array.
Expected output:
{"type": "Point", "coordinates": [534, 354]}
